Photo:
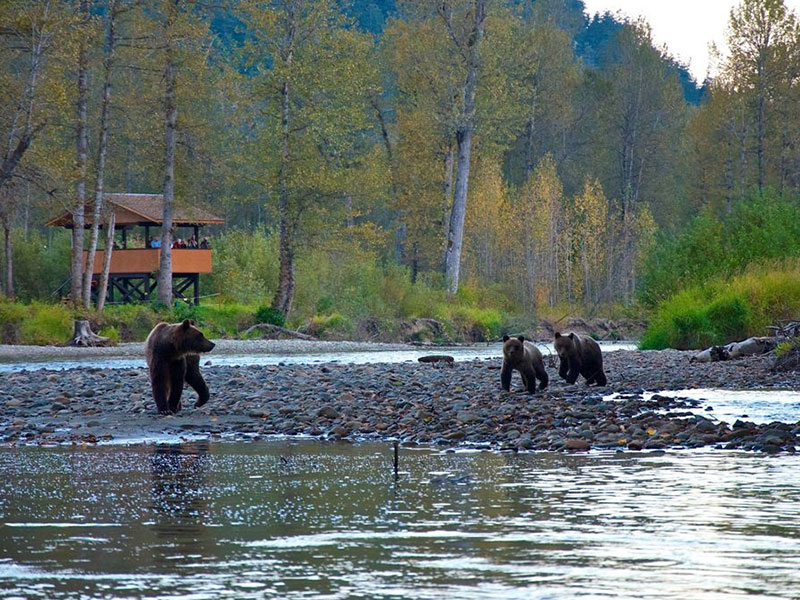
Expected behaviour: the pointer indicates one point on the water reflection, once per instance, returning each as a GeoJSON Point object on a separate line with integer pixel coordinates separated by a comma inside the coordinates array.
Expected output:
{"type": "Point", "coordinates": [179, 504]}
{"type": "Point", "coordinates": [307, 519]}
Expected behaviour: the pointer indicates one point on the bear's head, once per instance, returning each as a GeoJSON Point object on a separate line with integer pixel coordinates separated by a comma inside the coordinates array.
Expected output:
{"type": "Point", "coordinates": [564, 344]}
{"type": "Point", "coordinates": [514, 348]}
{"type": "Point", "coordinates": [190, 339]}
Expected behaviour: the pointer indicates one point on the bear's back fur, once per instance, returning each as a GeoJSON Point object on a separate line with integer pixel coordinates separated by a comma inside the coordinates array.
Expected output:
{"type": "Point", "coordinates": [580, 354]}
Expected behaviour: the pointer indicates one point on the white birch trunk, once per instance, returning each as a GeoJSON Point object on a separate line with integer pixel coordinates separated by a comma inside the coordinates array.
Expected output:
{"type": "Point", "coordinates": [78, 211]}
{"type": "Point", "coordinates": [464, 135]}
{"type": "Point", "coordinates": [103, 285]}
{"type": "Point", "coordinates": [171, 117]}
{"type": "Point", "coordinates": [101, 158]}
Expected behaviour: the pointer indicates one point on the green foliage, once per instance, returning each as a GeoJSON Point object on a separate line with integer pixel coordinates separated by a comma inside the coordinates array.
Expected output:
{"type": "Point", "coordinates": [184, 310]}
{"type": "Point", "coordinates": [133, 321]}
{"type": "Point", "coordinates": [245, 266]}
{"type": "Point", "coordinates": [226, 320]}
{"type": "Point", "coordinates": [11, 316]}
{"type": "Point", "coordinates": [473, 323]}
{"type": "Point", "coordinates": [334, 325]}
{"type": "Point", "coordinates": [110, 332]}
{"type": "Point", "coordinates": [759, 228]}
{"type": "Point", "coordinates": [271, 316]}
{"type": "Point", "coordinates": [41, 262]}
{"type": "Point", "coordinates": [46, 324]}
{"type": "Point", "coordinates": [722, 311]}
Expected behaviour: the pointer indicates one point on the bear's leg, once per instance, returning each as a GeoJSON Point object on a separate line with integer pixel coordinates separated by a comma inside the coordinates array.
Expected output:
{"type": "Point", "coordinates": [195, 379]}
{"type": "Point", "coordinates": [159, 381]}
{"type": "Point", "coordinates": [563, 368]}
{"type": "Point", "coordinates": [505, 376]}
{"type": "Point", "coordinates": [177, 374]}
{"type": "Point", "coordinates": [541, 374]}
{"type": "Point", "coordinates": [574, 371]}
{"type": "Point", "coordinates": [528, 379]}
{"type": "Point", "coordinates": [600, 378]}
{"type": "Point", "coordinates": [525, 384]}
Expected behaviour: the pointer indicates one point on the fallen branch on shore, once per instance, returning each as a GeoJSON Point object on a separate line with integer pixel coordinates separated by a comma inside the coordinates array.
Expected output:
{"type": "Point", "coordinates": [436, 358]}
{"type": "Point", "coordinates": [749, 347]}
{"type": "Point", "coordinates": [275, 332]}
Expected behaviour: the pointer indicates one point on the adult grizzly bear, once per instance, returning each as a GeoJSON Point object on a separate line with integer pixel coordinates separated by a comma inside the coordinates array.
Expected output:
{"type": "Point", "coordinates": [172, 358]}
{"type": "Point", "coordinates": [524, 357]}
{"type": "Point", "coordinates": [580, 355]}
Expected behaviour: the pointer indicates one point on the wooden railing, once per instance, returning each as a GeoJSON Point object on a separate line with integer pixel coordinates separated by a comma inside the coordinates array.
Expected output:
{"type": "Point", "coordinates": [146, 260]}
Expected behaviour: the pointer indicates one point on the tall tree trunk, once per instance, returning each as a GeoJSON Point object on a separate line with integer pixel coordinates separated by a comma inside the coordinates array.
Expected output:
{"type": "Point", "coordinates": [284, 294]}
{"type": "Point", "coordinates": [9, 251]}
{"type": "Point", "coordinates": [171, 117]}
{"type": "Point", "coordinates": [78, 211]}
{"type": "Point", "coordinates": [12, 157]}
{"type": "Point", "coordinates": [101, 156]}
{"type": "Point", "coordinates": [447, 189]}
{"type": "Point", "coordinates": [464, 133]}
{"type": "Point", "coordinates": [760, 135]}
{"type": "Point", "coordinates": [530, 132]}
{"type": "Point", "coordinates": [102, 288]}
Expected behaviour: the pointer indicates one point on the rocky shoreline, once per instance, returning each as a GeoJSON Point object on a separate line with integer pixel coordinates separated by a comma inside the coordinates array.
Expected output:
{"type": "Point", "coordinates": [442, 405]}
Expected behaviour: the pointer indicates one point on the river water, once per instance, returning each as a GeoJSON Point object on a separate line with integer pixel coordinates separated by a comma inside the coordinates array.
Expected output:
{"type": "Point", "coordinates": [459, 353]}
{"type": "Point", "coordinates": [289, 519]}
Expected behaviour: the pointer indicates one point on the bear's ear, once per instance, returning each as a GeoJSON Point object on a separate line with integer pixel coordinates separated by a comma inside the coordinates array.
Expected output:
{"type": "Point", "coordinates": [558, 335]}
{"type": "Point", "coordinates": [571, 335]}
{"type": "Point", "coordinates": [186, 324]}
{"type": "Point", "coordinates": [521, 338]}
{"type": "Point", "coordinates": [505, 338]}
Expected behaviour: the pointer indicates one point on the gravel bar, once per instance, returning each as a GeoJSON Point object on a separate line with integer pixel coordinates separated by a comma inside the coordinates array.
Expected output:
{"type": "Point", "coordinates": [444, 405]}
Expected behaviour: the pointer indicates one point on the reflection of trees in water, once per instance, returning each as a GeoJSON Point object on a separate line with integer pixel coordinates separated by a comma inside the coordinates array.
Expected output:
{"type": "Point", "coordinates": [178, 493]}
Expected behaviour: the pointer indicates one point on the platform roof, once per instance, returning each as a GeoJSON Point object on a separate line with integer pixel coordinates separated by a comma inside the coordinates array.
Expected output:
{"type": "Point", "coordinates": [144, 210]}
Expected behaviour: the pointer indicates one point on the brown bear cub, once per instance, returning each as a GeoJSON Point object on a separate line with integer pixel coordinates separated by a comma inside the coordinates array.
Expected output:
{"type": "Point", "coordinates": [524, 357]}
{"type": "Point", "coordinates": [580, 355]}
{"type": "Point", "coordinates": [172, 358]}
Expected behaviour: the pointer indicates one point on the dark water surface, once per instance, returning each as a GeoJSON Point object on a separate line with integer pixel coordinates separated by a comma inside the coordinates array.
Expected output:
{"type": "Point", "coordinates": [287, 519]}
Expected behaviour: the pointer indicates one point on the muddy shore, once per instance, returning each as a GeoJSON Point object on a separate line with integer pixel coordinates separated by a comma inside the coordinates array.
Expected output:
{"type": "Point", "coordinates": [458, 405]}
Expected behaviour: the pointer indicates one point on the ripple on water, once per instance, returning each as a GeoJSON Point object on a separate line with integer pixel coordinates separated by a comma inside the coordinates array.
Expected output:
{"type": "Point", "coordinates": [289, 519]}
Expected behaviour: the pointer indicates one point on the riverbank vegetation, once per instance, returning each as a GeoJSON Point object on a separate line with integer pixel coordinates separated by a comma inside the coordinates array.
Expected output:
{"type": "Point", "coordinates": [484, 164]}
{"type": "Point", "coordinates": [734, 275]}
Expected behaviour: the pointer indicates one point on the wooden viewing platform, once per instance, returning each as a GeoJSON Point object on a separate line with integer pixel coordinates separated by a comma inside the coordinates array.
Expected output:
{"type": "Point", "coordinates": [147, 260]}
{"type": "Point", "coordinates": [133, 271]}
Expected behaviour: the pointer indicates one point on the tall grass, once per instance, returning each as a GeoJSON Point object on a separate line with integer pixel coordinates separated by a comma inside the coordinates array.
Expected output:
{"type": "Point", "coordinates": [724, 310]}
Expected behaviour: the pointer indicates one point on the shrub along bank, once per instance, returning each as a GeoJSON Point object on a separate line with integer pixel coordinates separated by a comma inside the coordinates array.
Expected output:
{"type": "Point", "coordinates": [51, 324]}
{"type": "Point", "coordinates": [723, 310]}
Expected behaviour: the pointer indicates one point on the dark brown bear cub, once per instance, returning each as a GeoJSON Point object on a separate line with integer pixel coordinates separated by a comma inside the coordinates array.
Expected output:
{"type": "Point", "coordinates": [525, 358]}
{"type": "Point", "coordinates": [580, 355]}
{"type": "Point", "coordinates": [172, 358]}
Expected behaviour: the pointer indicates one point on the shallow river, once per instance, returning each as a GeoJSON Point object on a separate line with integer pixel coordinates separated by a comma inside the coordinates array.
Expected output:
{"type": "Point", "coordinates": [471, 352]}
{"type": "Point", "coordinates": [286, 519]}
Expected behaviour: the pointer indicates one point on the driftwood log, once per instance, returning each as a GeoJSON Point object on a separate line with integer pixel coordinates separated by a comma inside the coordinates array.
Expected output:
{"type": "Point", "coordinates": [748, 347]}
{"type": "Point", "coordinates": [274, 332]}
{"type": "Point", "coordinates": [83, 335]}
{"type": "Point", "coordinates": [436, 358]}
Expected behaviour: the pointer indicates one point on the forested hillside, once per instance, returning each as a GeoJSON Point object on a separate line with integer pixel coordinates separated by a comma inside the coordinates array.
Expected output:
{"type": "Point", "coordinates": [369, 154]}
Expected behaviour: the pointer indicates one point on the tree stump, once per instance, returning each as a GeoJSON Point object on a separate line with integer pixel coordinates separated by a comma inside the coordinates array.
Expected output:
{"type": "Point", "coordinates": [84, 336]}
